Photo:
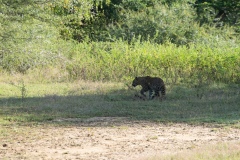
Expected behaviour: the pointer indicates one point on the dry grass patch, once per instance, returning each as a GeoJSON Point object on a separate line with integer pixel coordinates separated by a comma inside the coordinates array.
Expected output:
{"type": "Point", "coordinates": [219, 151]}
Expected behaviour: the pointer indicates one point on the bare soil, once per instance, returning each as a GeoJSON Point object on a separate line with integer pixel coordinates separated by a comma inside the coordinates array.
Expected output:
{"type": "Point", "coordinates": [108, 138]}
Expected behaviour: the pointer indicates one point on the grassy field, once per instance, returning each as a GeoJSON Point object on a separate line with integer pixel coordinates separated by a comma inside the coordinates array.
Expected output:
{"type": "Point", "coordinates": [218, 103]}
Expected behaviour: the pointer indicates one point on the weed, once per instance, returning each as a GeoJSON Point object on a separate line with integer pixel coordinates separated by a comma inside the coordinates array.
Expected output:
{"type": "Point", "coordinates": [22, 87]}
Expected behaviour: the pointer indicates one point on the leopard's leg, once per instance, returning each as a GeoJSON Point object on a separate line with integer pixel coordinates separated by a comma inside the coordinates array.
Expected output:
{"type": "Point", "coordinates": [143, 90]}
{"type": "Point", "coordinates": [163, 92]}
{"type": "Point", "coordinates": [152, 94]}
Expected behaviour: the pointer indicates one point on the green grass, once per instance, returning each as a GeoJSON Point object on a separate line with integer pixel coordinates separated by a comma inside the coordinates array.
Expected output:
{"type": "Point", "coordinates": [218, 104]}
{"type": "Point", "coordinates": [119, 62]}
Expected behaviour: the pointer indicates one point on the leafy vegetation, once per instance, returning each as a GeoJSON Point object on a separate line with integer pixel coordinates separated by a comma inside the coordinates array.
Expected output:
{"type": "Point", "coordinates": [218, 11]}
{"type": "Point", "coordinates": [119, 40]}
{"type": "Point", "coordinates": [109, 40]}
{"type": "Point", "coordinates": [77, 58]}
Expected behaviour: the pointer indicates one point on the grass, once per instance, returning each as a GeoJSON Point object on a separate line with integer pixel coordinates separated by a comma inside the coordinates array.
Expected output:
{"type": "Point", "coordinates": [217, 103]}
{"type": "Point", "coordinates": [44, 104]}
{"type": "Point", "coordinates": [118, 61]}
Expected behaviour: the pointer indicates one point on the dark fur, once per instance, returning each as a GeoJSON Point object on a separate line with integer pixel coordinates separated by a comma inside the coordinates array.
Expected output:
{"type": "Point", "coordinates": [152, 84]}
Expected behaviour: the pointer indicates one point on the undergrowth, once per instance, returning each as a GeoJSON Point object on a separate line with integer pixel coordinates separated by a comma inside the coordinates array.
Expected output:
{"type": "Point", "coordinates": [120, 62]}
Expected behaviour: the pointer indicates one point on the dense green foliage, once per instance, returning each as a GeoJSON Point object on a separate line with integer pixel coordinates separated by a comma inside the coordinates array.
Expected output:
{"type": "Point", "coordinates": [158, 21]}
{"type": "Point", "coordinates": [111, 40]}
{"type": "Point", "coordinates": [218, 11]}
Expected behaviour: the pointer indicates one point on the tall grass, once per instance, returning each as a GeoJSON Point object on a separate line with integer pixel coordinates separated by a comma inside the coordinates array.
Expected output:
{"type": "Point", "coordinates": [119, 61]}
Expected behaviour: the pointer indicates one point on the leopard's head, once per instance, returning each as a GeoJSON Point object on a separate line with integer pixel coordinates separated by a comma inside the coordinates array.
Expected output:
{"type": "Point", "coordinates": [135, 82]}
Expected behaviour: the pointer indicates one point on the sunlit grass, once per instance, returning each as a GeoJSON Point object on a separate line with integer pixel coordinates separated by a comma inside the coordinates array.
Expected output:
{"type": "Point", "coordinates": [120, 62]}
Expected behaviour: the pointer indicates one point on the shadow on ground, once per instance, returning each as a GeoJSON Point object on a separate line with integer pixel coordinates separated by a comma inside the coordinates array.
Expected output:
{"type": "Point", "coordinates": [208, 105]}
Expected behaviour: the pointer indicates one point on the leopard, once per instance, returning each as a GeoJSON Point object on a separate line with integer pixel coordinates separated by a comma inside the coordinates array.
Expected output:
{"type": "Point", "coordinates": [154, 85]}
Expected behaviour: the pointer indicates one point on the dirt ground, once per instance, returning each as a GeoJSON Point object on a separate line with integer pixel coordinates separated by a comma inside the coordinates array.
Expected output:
{"type": "Point", "coordinates": [109, 138]}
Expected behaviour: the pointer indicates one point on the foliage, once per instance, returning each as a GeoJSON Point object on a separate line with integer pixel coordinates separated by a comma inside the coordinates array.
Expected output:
{"type": "Point", "coordinates": [158, 21]}
{"type": "Point", "coordinates": [158, 25]}
{"type": "Point", "coordinates": [218, 11]}
{"type": "Point", "coordinates": [79, 19]}
{"type": "Point", "coordinates": [26, 36]}
{"type": "Point", "coordinates": [119, 40]}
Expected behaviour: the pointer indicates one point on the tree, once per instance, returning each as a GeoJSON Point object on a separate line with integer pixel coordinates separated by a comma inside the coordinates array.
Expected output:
{"type": "Point", "coordinates": [25, 33]}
